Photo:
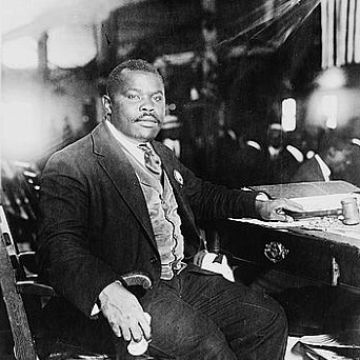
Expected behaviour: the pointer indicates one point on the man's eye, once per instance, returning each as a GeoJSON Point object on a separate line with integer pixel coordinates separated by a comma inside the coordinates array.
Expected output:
{"type": "Point", "coordinates": [158, 98]}
{"type": "Point", "coordinates": [133, 97]}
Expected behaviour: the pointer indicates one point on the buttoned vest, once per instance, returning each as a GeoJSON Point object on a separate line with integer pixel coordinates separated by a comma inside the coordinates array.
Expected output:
{"type": "Point", "coordinates": [162, 208]}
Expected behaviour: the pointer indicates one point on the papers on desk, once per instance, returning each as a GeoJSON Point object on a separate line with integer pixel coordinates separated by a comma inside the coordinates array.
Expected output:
{"type": "Point", "coordinates": [318, 224]}
{"type": "Point", "coordinates": [322, 212]}
{"type": "Point", "coordinates": [317, 198]}
{"type": "Point", "coordinates": [343, 340]}
{"type": "Point", "coordinates": [306, 189]}
{"type": "Point", "coordinates": [269, 224]}
{"type": "Point", "coordinates": [312, 353]}
{"type": "Point", "coordinates": [328, 347]}
{"type": "Point", "coordinates": [327, 228]}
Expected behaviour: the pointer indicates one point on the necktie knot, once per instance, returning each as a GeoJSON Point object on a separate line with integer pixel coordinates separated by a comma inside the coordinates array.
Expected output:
{"type": "Point", "coordinates": [152, 160]}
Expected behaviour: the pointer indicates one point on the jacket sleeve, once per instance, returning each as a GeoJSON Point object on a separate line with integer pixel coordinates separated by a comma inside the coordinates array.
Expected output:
{"type": "Point", "coordinates": [209, 201]}
{"type": "Point", "coordinates": [64, 257]}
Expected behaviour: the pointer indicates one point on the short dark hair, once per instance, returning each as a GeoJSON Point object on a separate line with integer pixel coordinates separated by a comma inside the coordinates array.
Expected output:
{"type": "Point", "coordinates": [114, 79]}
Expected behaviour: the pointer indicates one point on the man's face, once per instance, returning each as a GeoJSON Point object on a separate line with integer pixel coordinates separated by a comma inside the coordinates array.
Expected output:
{"type": "Point", "coordinates": [275, 138]}
{"type": "Point", "coordinates": [138, 107]}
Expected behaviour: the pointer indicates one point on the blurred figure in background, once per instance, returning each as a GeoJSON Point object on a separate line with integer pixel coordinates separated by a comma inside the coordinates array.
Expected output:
{"type": "Point", "coordinates": [280, 160]}
{"type": "Point", "coordinates": [170, 131]}
{"type": "Point", "coordinates": [352, 173]}
{"type": "Point", "coordinates": [251, 156]}
{"type": "Point", "coordinates": [332, 159]}
{"type": "Point", "coordinates": [227, 156]}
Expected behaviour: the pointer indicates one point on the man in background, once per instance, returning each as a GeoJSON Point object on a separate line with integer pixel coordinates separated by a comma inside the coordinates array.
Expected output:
{"type": "Point", "coordinates": [332, 159]}
{"type": "Point", "coordinates": [280, 160]}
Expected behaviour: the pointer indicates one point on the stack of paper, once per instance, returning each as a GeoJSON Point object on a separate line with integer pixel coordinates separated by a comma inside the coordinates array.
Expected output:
{"type": "Point", "coordinates": [316, 198]}
{"type": "Point", "coordinates": [323, 205]}
{"type": "Point", "coordinates": [328, 347]}
{"type": "Point", "coordinates": [306, 189]}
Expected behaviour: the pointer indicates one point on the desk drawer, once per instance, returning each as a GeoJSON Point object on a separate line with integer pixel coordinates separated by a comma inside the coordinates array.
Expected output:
{"type": "Point", "coordinates": [308, 257]}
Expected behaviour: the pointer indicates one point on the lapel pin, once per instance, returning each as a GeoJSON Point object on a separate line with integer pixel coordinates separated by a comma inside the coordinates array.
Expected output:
{"type": "Point", "coordinates": [178, 177]}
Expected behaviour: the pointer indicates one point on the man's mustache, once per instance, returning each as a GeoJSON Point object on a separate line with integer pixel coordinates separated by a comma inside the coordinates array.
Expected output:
{"type": "Point", "coordinates": [146, 115]}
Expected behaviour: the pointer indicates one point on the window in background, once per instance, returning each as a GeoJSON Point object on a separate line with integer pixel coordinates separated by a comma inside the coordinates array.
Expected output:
{"type": "Point", "coordinates": [21, 53]}
{"type": "Point", "coordinates": [329, 108]}
{"type": "Point", "coordinates": [71, 46]}
{"type": "Point", "coordinates": [288, 114]}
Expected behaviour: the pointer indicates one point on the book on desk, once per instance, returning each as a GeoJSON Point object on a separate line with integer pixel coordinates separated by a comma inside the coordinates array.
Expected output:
{"type": "Point", "coordinates": [317, 198]}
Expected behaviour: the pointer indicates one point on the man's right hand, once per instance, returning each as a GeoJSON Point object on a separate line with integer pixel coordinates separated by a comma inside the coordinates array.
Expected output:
{"type": "Point", "coordinates": [124, 313]}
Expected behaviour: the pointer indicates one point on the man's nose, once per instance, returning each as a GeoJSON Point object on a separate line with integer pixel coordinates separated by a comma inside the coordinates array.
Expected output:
{"type": "Point", "coordinates": [147, 105]}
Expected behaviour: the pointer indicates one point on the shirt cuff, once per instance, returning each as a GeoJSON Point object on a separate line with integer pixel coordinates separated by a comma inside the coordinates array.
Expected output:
{"type": "Point", "coordinates": [95, 310]}
{"type": "Point", "coordinates": [261, 196]}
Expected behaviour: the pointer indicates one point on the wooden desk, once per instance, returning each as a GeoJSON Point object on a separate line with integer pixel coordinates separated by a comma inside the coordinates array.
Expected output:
{"type": "Point", "coordinates": [317, 283]}
{"type": "Point", "coordinates": [323, 250]}
{"type": "Point", "coordinates": [319, 249]}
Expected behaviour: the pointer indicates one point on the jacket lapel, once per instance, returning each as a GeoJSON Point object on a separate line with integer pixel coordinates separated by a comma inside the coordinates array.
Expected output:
{"type": "Point", "coordinates": [117, 166]}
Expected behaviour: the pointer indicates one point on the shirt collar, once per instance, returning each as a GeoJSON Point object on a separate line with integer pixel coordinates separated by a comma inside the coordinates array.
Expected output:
{"type": "Point", "coordinates": [120, 136]}
{"type": "Point", "coordinates": [274, 152]}
{"type": "Point", "coordinates": [129, 145]}
{"type": "Point", "coordinates": [324, 168]}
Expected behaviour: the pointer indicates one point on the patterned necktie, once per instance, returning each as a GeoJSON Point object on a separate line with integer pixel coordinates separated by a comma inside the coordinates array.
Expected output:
{"type": "Point", "coordinates": [152, 160]}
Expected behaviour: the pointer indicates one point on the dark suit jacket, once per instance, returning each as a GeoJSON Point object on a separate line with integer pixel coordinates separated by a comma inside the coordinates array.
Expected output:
{"type": "Point", "coordinates": [95, 224]}
{"type": "Point", "coordinates": [309, 171]}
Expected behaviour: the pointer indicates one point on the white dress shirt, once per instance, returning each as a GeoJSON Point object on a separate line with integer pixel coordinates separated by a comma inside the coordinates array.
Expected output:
{"type": "Point", "coordinates": [131, 146]}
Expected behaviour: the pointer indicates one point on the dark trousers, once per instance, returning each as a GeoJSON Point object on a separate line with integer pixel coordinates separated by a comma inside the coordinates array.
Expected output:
{"type": "Point", "coordinates": [197, 315]}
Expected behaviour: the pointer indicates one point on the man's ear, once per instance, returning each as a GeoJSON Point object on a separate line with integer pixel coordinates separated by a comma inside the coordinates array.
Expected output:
{"type": "Point", "coordinates": [106, 102]}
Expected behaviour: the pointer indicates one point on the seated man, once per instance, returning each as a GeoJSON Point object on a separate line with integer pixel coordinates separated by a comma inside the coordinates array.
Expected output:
{"type": "Point", "coordinates": [116, 201]}
{"type": "Point", "coordinates": [332, 159]}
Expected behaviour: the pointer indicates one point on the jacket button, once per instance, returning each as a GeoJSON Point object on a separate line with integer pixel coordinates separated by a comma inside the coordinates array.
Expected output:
{"type": "Point", "coordinates": [153, 260]}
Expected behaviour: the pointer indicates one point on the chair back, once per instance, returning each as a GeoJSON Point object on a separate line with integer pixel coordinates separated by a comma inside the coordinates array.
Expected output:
{"type": "Point", "coordinates": [24, 348]}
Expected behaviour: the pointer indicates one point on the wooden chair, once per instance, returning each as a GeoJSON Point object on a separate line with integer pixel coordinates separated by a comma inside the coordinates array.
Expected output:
{"type": "Point", "coordinates": [18, 278]}
{"type": "Point", "coordinates": [23, 342]}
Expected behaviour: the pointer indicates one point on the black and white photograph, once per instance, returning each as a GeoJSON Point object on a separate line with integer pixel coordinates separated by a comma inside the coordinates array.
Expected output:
{"type": "Point", "coordinates": [180, 180]}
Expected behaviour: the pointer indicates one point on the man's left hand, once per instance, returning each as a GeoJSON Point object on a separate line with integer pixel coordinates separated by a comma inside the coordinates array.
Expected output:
{"type": "Point", "coordinates": [275, 210]}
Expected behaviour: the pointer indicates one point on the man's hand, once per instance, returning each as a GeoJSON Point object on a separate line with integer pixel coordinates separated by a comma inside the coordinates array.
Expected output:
{"type": "Point", "coordinates": [124, 313]}
{"type": "Point", "coordinates": [275, 210]}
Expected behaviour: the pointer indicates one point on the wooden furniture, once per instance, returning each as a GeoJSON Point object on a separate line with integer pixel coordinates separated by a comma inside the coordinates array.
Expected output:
{"type": "Point", "coordinates": [24, 348]}
{"type": "Point", "coordinates": [17, 278]}
{"type": "Point", "coordinates": [317, 281]}
{"type": "Point", "coordinates": [328, 256]}
{"type": "Point", "coordinates": [322, 249]}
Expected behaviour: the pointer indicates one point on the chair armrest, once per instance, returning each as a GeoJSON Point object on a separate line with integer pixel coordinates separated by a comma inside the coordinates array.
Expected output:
{"type": "Point", "coordinates": [27, 260]}
{"type": "Point", "coordinates": [33, 288]}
